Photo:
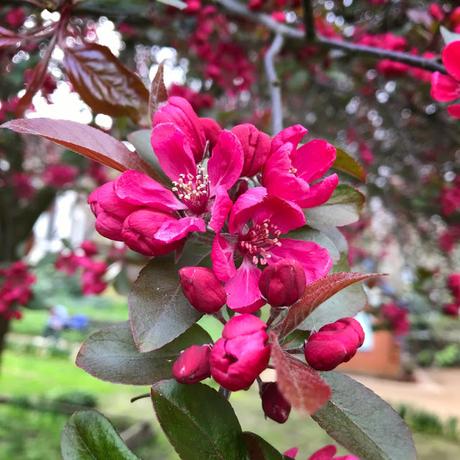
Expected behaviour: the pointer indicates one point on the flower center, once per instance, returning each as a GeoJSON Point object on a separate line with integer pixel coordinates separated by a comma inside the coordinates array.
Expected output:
{"type": "Point", "coordinates": [259, 240]}
{"type": "Point", "coordinates": [193, 191]}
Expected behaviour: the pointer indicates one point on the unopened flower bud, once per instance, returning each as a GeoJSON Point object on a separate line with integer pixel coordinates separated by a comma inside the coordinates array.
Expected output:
{"type": "Point", "coordinates": [256, 147]}
{"type": "Point", "coordinates": [334, 344]}
{"type": "Point", "coordinates": [283, 283]}
{"type": "Point", "coordinates": [241, 354]}
{"type": "Point", "coordinates": [192, 365]}
{"type": "Point", "coordinates": [202, 289]}
{"type": "Point", "coordinates": [274, 404]}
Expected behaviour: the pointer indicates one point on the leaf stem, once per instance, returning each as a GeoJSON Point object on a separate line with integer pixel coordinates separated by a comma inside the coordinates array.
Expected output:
{"type": "Point", "coordinates": [142, 396]}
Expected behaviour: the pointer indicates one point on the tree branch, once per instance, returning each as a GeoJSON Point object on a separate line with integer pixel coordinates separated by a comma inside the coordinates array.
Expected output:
{"type": "Point", "coordinates": [274, 84]}
{"type": "Point", "coordinates": [309, 20]}
{"type": "Point", "coordinates": [237, 8]}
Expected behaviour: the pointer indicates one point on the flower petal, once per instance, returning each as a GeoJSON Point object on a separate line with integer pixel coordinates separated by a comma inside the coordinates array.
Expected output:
{"type": "Point", "coordinates": [177, 229]}
{"type": "Point", "coordinates": [454, 110]}
{"type": "Point", "coordinates": [243, 288]}
{"type": "Point", "coordinates": [173, 151]}
{"type": "Point", "coordinates": [320, 192]}
{"type": "Point", "coordinates": [138, 189]}
{"type": "Point", "coordinates": [285, 214]}
{"type": "Point", "coordinates": [293, 134]}
{"type": "Point", "coordinates": [222, 258]}
{"type": "Point", "coordinates": [451, 59]}
{"type": "Point", "coordinates": [226, 162]}
{"type": "Point", "coordinates": [179, 112]}
{"type": "Point", "coordinates": [139, 229]}
{"type": "Point", "coordinates": [211, 130]}
{"type": "Point", "coordinates": [220, 209]}
{"type": "Point", "coordinates": [243, 207]}
{"type": "Point", "coordinates": [313, 159]}
{"type": "Point", "coordinates": [444, 88]}
{"type": "Point", "coordinates": [314, 258]}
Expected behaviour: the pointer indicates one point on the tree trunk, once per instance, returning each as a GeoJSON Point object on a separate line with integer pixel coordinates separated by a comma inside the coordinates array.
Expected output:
{"type": "Point", "coordinates": [4, 327]}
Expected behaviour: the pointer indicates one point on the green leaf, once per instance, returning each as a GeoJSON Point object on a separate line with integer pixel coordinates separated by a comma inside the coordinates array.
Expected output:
{"type": "Point", "coordinates": [259, 449]}
{"type": "Point", "coordinates": [141, 141]}
{"type": "Point", "coordinates": [363, 423]}
{"type": "Point", "coordinates": [90, 436]}
{"type": "Point", "coordinates": [343, 208]}
{"type": "Point", "coordinates": [198, 421]}
{"type": "Point", "coordinates": [318, 237]}
{"type": "Point", "coordinates": [449, 36]}
{"type": "Point", "coordinates": [111, 355]}
{"type": "Point", "coordinates": [158, 310]}
{"type": "Point", "coordinates": [346, 163]}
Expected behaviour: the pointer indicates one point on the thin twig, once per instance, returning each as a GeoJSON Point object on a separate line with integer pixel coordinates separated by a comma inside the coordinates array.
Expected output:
{"type": "Point", "coordinates": [237, 8]}
{"type": "Point", "coordinates": [309, 21]}
{"type": "Point", "coordinates": [136, 398]}
{"type": "Point", "coordinates": [274, 84]}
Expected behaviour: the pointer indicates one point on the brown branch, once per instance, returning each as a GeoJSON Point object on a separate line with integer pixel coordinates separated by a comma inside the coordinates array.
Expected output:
{"type": "Point", "coordinates": [238, 9]}
{"type": "Point", "coordinates": [309, 21]}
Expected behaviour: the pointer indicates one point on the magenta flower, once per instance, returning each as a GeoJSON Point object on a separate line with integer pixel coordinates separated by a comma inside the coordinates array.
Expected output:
{"type": "Point", "coordinates": [293, 173]}
{"type": "Point", "coordinates": [446, 88]}
{"type": "Point", "coordinates": [256, 224]}
{"type": "Point", "coordinates": [153, 219]}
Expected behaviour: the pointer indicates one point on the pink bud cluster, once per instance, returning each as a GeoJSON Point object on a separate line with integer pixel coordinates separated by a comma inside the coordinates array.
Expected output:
{"type": "Point", "coordinates": [82, 260]}
{"type": "Point", "coordinates": [15, 289]}
{"type": "Point", "coordinates": [325, 453]}
{"type": "Point", "coordinates": [396, 317]}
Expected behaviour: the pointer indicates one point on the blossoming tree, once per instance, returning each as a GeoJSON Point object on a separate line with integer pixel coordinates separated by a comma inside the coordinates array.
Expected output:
{"type": "Point", "coordinates": [236, 223]}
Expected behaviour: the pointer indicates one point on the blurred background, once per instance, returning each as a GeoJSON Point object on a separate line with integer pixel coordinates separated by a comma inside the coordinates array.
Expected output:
{"type": "Point", "coordinates": [60, 281]}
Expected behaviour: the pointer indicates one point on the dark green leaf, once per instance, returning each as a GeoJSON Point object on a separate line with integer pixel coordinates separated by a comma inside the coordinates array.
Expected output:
{"type": "Point", "coordinates": [347, 164]}
{"type": "Point", "coordinates": [90, 436]}
{"type": "Point", "coordinates": [141, 141]}
{"type": "Point", "coordinates": [343, 208]}
{"type": "Point", "coordinates": [110, 354]}
{"type": "Point", "coordinates": [259, 449]}
{"type": "Point", "coordinates": [363, 423]}
{"type": "Point", "coordinates": [158, 311]}
{"type": "Point", "coordinates": [198, 421]}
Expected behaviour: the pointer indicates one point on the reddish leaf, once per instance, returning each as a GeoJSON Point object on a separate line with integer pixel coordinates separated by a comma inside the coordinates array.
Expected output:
{"type": "Point", "coordinates": [300, 384]}
{"type": "Point", "coordinates": [315, 294]}
{"type": "Point", "coordinates": [104, 83]}
{"type": "Point", "coordinates": [158, 91]}
{"type": "Point", "coordinates": [85, 140]}
{"type": "Point", "coordinates": [347, 164]}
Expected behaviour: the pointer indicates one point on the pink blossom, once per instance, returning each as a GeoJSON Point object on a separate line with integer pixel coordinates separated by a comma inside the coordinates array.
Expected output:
{"type": "Point", "coordinates": [449, 238]}
{"type": "Point", "coordinates": [202, 289]}
{"type": "Point", "coordinates": [436, 11]}
{"type": "Point", "coordinates": [446, 88]}
{"type": "Point", "coordinates": [450, 198]}
{"type": "Point", "coordinates": [198, 101]}
{"type": "Point", "coordinates": [143, 213]}
{"type": "Point", "coordinates": [22, 184]}
{"type": "Point", "coordinates": [453, 283]}
{"type": "Point", "coordinates": [294, 173]}
{"type": "Point", "coordinates": [241, 354]}
{"type": "Point", "coordinates": [334, 344]}
{"type": "Point", "coordinates": [283, 283]}
{"type": "Point", "coordinates": [59, 175]}
{"type": "Point", "coordinates": [15, 289]}
{"type": "Point", "coordinates": [15, 17]}
{"type": "Point", "coordinates": [89, 247]}
{"type": "Point", "coordinates": [274, 404]}
{"type": "Point", "coordinates": [328, 453]}
{"type": "Point", "coordinates": [192, 365]}
{"type": "Point", "coordinates": [397, 317]}
{"type": "Point", "coordinates": [257, 224]}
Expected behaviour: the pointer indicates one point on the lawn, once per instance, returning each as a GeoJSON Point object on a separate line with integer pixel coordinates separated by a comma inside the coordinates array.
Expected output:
{"type": "Point", "coordinates": [29, 435]}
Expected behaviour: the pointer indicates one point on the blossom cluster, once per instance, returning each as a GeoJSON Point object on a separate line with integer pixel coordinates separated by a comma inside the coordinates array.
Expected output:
{"type": "Point", "coordinates": [325, 453]}
{"type": "Point", "coordinates": [82, 260]}
{"type": "Point", "coordinates": [15, 289]}
{"type": "Point", "coordinates": [396, 317]}
{"type": "Point", "coordinates": [243, 192]}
